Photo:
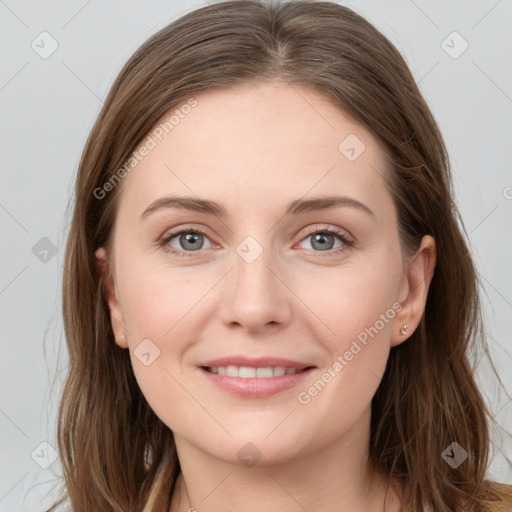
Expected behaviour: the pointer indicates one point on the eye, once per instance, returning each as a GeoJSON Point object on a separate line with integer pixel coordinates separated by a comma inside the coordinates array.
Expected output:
{"type": "Point", "coordinates": [185, 241]}
{"type": "Point", "coordinates": [327, 239]}
{"type": "Point", "coordinates": [188, 241]}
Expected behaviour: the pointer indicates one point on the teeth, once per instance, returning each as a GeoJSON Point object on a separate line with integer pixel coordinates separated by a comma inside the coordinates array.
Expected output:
{"type": "Point", "coordinates": [261, 372]}
{"type": "Point", "coordinates": [231, 371]}
{"type": "Point", "coordinates": [247, 372]}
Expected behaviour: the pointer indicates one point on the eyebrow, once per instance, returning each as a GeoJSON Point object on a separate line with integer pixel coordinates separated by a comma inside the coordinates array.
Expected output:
{"type": "Point", "coordinates": [295, 207]}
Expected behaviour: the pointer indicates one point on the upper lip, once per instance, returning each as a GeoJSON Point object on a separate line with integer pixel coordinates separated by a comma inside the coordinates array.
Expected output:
{"type": "Point", "coordinates": [257, 362]}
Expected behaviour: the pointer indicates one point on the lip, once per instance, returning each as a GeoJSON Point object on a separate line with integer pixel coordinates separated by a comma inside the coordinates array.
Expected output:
{"type": "Point", "coordinates": [260, 387]}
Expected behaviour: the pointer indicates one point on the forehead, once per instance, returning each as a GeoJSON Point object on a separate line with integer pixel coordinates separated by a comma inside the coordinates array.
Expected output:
{"type": "Point", "coordinates": [269, 141]}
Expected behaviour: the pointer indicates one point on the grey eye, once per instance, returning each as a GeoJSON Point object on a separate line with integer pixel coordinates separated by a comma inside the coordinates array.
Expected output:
{"type": "Point", "coordinates": [322, 241]}
{"type": "Point", "coordinates": [188, 241]}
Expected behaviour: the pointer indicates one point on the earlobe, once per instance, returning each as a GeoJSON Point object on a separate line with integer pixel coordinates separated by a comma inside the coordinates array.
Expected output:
{"type": "Point", "coordinates": [419, 276]}
{"type": "Point", "coordinates": [116, 314]}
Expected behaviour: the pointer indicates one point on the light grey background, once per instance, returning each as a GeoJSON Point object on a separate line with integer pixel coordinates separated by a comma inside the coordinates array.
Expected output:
{"type": "Point", "coordinates": [48, 106]}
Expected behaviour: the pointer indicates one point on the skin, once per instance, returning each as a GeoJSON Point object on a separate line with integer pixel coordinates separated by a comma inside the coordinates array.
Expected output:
{"type": "Point", "coordinates": [254, 149]}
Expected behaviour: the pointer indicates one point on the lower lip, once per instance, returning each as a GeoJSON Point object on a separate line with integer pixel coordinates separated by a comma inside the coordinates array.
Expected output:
{"type": "Point", "coordinates": [256, 387]}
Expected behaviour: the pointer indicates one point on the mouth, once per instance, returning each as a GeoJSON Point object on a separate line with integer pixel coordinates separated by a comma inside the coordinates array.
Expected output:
{"type": "Point", "coordinates": [251, 372]}
{"type": "Point", "coordinates": [255, 378]}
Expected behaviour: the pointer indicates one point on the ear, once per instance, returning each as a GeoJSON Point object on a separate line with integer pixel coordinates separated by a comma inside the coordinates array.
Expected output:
{"type": "Point", "coordinates": [415, 290]}
{"type": "Point", "coordinates": [116, 314]}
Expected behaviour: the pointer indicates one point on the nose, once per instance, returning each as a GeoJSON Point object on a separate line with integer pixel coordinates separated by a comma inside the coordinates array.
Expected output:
{"type": "Point", "coordinates": [255, 296]}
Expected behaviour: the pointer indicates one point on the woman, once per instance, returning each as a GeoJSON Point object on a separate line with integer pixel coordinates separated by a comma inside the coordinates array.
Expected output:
{"type": "Point", "coordinates": [268, 298]}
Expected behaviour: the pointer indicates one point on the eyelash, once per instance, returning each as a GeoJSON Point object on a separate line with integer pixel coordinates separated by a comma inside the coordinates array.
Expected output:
{"type": "Point", "coordinates": [339, 234]}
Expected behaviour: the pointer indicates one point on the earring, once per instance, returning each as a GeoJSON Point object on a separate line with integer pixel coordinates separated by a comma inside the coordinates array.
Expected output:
{"type": "Point", "coordinates": [403, 330]}
{"type": "Point", "coordinates": [122, 336]}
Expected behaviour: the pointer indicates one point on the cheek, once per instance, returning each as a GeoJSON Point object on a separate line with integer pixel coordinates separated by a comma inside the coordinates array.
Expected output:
{"type": "Point", "coordinates": [357, 310]}
{"type": "Point", "coordinates": [352, 300]}
{"type": "Point", "coordinates": [160, 301]}
{"type": "Point", "coordinates": [159, 306]}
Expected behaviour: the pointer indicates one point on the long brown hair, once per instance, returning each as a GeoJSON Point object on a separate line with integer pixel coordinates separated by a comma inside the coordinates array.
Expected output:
{"type": "Point", "coordinates": [113, 448]}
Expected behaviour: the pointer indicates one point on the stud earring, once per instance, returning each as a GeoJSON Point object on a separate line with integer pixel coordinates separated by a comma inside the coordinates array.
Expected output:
{"type": "Point", "coordinates": [122, 336]}
{"type": "Point", "coordinates": [403, 330]}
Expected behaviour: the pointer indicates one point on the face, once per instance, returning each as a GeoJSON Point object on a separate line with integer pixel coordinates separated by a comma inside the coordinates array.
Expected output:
{"type": "Point", "coordinates": [258, 273]}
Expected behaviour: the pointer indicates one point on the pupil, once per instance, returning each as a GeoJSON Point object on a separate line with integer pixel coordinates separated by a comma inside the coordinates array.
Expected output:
{"type": "Point", "coordinates": [190, 238]}
{"type": "Point", "coordinates": [321, 239]}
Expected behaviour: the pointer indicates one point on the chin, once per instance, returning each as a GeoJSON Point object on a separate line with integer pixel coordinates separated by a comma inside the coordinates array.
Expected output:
{"type": "Point", "coordinates": [259, 449]}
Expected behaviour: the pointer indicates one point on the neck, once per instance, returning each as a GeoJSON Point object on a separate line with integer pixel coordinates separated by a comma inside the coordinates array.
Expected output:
{"type": "Point", "coordinates": [337, 477]}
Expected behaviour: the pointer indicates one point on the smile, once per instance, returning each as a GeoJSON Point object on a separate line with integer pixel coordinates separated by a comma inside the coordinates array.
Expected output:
{"type": "Point", "coordinates": [248, 372]}
{"type": "Point", "coordinates": [259, 377]}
